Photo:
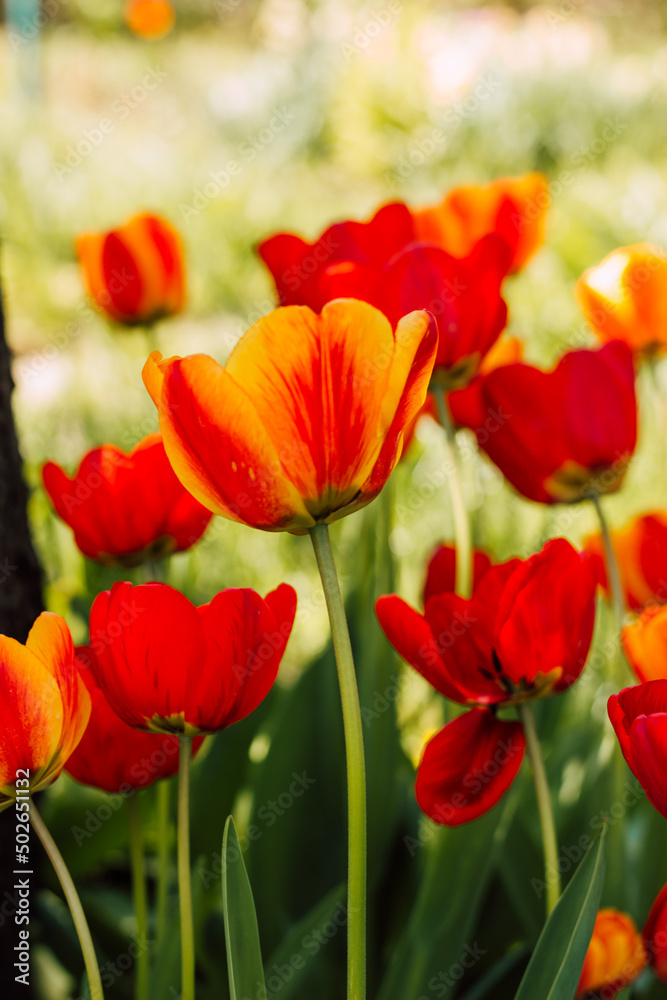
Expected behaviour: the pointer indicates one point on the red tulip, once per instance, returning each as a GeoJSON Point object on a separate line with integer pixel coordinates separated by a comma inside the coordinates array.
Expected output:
{"type": "Point", "coordinates": [126, 508]}
{"type": "Point", "coordinates": [655, 935]}
{"type": "Point", "coordinates": [302, 271]}
{"type": "Point", "coordinates": [524, 634]}
{"type": "Point", "coordinates": [615, 956]}
{"type": "Point", "coordinates": [645, 643]}
{"type": "Point", "coordinates": [563, 435]}
{"type": "Point", "coordinates": [305, 422]}
{"type": "Point", "coordinates": [513, 208]}
{"type": "Point", "coordinates": [641, 551]}
{"type": "Point", "coordinates": [114, 756]}
{"type": "Point", "coordinates": [462, 293]}
{"type": "Point", "coordinates": [45, 707]}
{"type": "Point", "coordinates": [169, 667]}
{"type": "Point", "coordinates": [441, 571]}
{"type": "Point", "coordinates": [135, 273]}
{"type": "Point", "coordinates": [639, 717]}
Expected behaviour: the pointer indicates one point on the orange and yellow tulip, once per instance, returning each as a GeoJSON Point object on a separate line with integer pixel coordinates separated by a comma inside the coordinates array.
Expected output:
{"type": "Point", "coordinates": [645, 643]}
{"type": "Point", "coordinates": [150, 19]}
{"type": "Point", "coordinates": [625, 298]}
{"type": "Point", "coordinates": [512, 207]}
{"type": "Point", "coordinates": [305, 422]}
{"type": "Point", "coordinates": [45, 707]}
{"type": "Point", "coordinates": [615, 957]}
{"type": "Point", "coordinates": [135, 273]}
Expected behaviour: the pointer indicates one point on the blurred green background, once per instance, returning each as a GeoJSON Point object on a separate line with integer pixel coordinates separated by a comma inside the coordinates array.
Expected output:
{"type": "Point", "coordinates": [330, 109]}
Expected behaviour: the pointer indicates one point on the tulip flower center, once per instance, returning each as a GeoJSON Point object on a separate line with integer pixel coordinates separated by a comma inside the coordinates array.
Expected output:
{"type": "Point", "coordinates": [573, 482]}
{"type": "Point", "coordinates": [539, 686]}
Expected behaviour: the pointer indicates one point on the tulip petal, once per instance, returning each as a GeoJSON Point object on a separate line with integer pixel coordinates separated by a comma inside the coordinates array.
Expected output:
{"type": "Point", "coordinates": [546, 616]}
{"type": "Point", "coordinates": [411, 636]}
{"type": "Point", "coordinates": [218, 446]}
{"type": "Point", "coordinates": [247, 636]}
{"type": "Point", "coordinates": [33, 713]}
{"type": "Point", "coordinates": [468, 766]}
{"type": "Point", "coordinates": [320, 386]}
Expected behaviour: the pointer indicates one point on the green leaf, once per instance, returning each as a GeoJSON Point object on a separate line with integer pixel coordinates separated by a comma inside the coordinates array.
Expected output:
{"type": "Point", "coordinates": [313, 953]}
{"type": "Point", "coordinates": [456, 876]}
{"type": "Point", "coordinates": [555, 967]}
{"type": "Point", "coordinates": [244, 956]}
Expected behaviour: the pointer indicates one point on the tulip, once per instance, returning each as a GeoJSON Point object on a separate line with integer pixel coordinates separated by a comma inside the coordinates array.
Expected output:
{"type": "Point", "coordinates": [513, 208]}
{"type": "Point", "coordinates": [625, 298]}
{"type": "Point", "coordinates": [166, 666]}
{"type": "Point", "coordinates": [305, 422]}
{"type": "Point", "coordinates": [639, 717]}
{"type": "Point", "coordinates": [641, 550]}
{"type": "Point", "coordinates": [524, 634]}
{"type": "Point", "coordinates": [302, 271]}
{"type": "Point", "coordinates": [464, 295]}
{"type": "Point", "coordinates": [150, 19]}
{"type": "Point", "coordinates": [112, 755]}
{"type": "Point", "coordinates": [46, 707]}
{"type": "Point", "coordinates": [615, 956]}
{"type": "Point", "coordinates": [645, 643]}
{"type": "Point", "coordinates": [564, 435]}
{"type": "Point", "coordinates": [126, 509]}
{"type": "Point", "coordinates": [655, 935]}
{"type": "Point", "coordinates": [136, 273]}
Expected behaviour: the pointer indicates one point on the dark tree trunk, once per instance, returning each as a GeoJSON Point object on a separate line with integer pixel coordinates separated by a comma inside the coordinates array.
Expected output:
{"type": "Point", "coordinates": [20, 603]}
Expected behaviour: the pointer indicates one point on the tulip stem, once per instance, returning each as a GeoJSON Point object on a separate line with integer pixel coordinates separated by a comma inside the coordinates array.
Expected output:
{"type": "Point", "coordinates": [163, 831]}
{"type": "Point", "coordinates": [549, 840]}
{"type": "Point", "coordinates": [184, 874]}
{"type": "Point", "coordinates": [462, 538]}
{"type": "Point", "coordinates": [356, 770]}
{"type": "Point", "coordinates": [73, 901]}
{"type": "Point", "coordinates": [133, 806]}
{"type": "Point", "coordinates": [613, 571]}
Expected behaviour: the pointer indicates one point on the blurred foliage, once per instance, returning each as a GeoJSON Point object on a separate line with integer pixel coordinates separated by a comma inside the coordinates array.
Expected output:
{"type": "Point", "coordinates": [328, 109]}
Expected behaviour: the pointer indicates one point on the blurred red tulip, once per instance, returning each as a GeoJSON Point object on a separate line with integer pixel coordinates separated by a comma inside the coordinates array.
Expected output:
{"type": "Point", "coordinates": [169, 667]}
{"type": "Point", "coordinates": [639, 717]}
{"type": "Point", "coordinates": [125, 509]}
{"type": "Point", "coordinates": [45, 707]}
{"type": "Point", "coordinates": [655, 935]}
{"type": "Point", "coordinates": [563, 435]}
{"type": "Point", "coordinates": [524, 634]}
{"type": "Point", "coordinates": [641, 551]}
{"type": "Point", "coordinates": [615, 956]}
{"type": "Point", "coordinates": [150, 19]}
{"type": "Point", "coordinates": [351, 253]}
{"type": "Point", "coordinates": [136, 273]}
{"type": "Point", "coordinates": [305, 422]}
{"type": "Point", "coordinates": [114, 756]}
{"type": "Point", "coordinates": [625, 298]}
{"type": "Point", "coordinates": [513, 208]}
{"type": "Point", "coordinates": [462, 293]}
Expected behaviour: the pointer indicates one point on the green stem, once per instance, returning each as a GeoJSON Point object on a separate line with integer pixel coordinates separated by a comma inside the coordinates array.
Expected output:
{"type": "Point", "coordinates": [462, 537]}
{"type": "Point", "coordinates": [551, 873]}
{"type": "Point", "coordinates": [356, 770]}
{"type": "Point", "coordinates": [163, 831]}
{"type": "Point", "coordinates": [133, 806]}
{"type": "Point", "coordinates": [73, 901]}
{"type": "Point", "coordinates": [613, 571]}
{"type": "Point", "coordinates": [184, 875]}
